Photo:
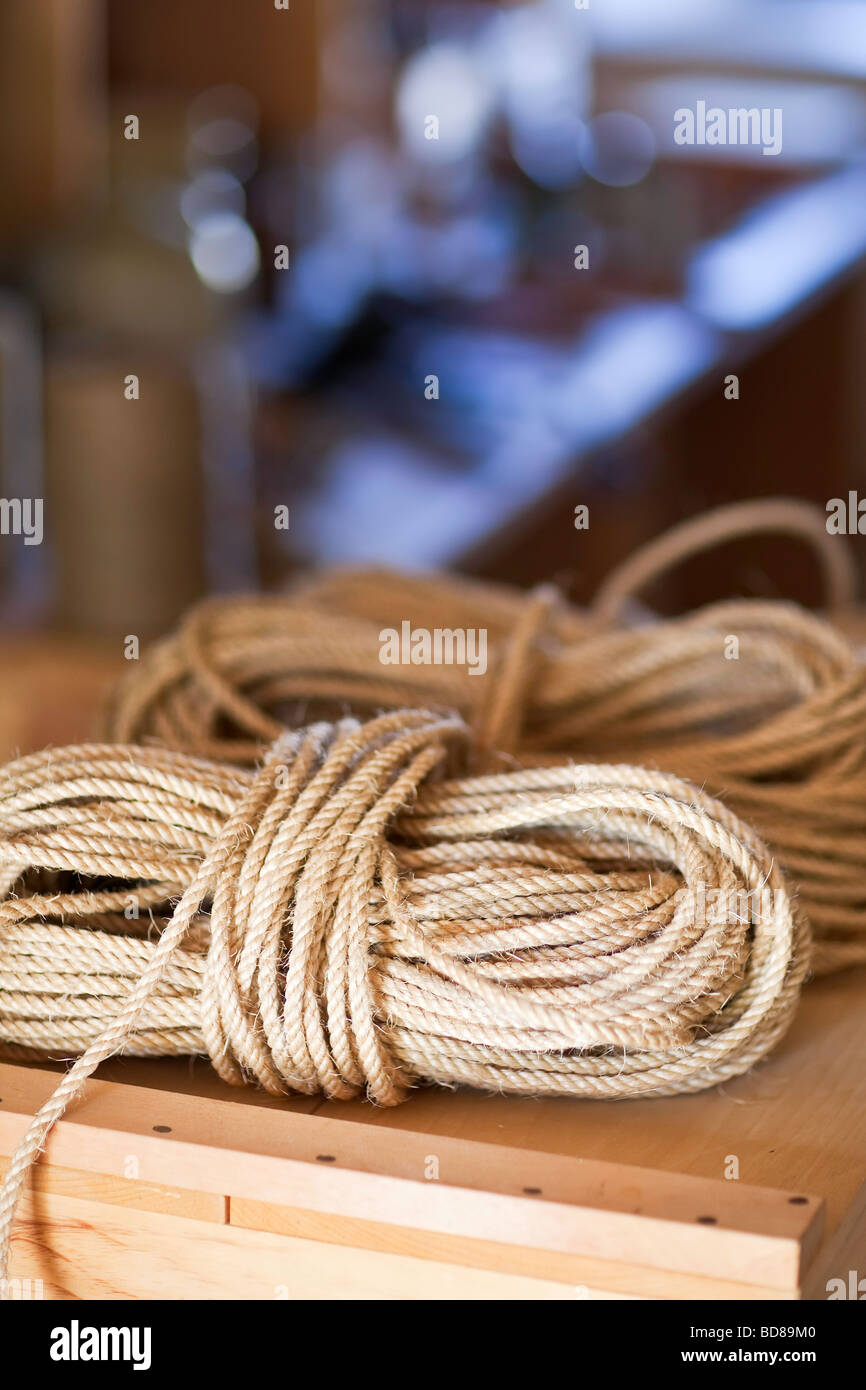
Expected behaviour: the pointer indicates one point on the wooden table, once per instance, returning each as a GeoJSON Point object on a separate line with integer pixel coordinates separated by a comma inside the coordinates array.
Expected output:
{"type": "Point", "coordinates": [163, 1182]}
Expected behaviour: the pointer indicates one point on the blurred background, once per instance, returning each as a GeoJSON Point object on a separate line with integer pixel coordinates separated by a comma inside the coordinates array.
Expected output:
{"type": "Point", "coordinates": [301, 284]}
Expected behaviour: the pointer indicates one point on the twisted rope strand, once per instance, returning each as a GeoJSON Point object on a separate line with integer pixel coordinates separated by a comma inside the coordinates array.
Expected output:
{"type": "Point", "coordinates": [778, 732]}
{"type": "Point", "coordinates": [352, 916]}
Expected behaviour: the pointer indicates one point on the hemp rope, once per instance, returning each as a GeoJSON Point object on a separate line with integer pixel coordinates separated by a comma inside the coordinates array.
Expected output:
{"type": "Point", "coordinates": [351, 916]}
{"type": "Point", "coordinates": [778, 733]}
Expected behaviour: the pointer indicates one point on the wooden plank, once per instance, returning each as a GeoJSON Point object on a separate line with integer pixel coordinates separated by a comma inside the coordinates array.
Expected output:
{"type": "Point", "coordinates": [126, 1191]}
{"type": "Point", "coordinates": [589, 1278]}
{"type": "Point", "coordinates": [89, 1250]}
{"type": "Point", "coordinates": [603, 1210]}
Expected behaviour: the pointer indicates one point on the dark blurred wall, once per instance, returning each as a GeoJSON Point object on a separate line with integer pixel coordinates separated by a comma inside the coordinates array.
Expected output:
{"type": "Point", "coordinates": [193, 44]}
{"type": "Point", "coordinates": [52, 113]}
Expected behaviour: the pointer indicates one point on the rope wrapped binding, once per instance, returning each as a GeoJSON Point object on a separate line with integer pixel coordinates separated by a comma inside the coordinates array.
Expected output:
{"type": "Point", "coordinates": [352, 917]}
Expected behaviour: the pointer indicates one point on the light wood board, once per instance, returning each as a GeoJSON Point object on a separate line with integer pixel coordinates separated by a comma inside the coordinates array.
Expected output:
{"type": "Point", "coordinates": [597, 1199]}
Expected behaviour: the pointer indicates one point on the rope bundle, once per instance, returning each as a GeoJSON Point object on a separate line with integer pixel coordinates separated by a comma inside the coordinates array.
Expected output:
{"type": "Point", "coordinates": [438, 892]}
{"type": "Point", "coordinates": [350, 918]}
{"type": "Point", "coordinates": [762, 703]}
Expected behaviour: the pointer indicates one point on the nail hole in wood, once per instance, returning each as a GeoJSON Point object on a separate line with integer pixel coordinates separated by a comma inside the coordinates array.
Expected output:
{"type": "Point", "coordinates": [325, 1158]}
{"type": "Point", "coordinates": [532, 1191]}
{"type": "Point", "coordinates": [162, 1129]}
{"type": "Point", "coordinates": [707, 1220]}
{"type": "Point", "coordinates": [798, 1201]}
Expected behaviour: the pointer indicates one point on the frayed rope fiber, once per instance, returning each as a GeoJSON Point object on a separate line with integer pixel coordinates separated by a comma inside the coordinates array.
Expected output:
{"type": "Point", "coordinates": [354, 915]}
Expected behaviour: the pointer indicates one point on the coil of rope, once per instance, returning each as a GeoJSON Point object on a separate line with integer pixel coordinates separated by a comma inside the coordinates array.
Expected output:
{"type": "Point", "coordinates": [357, 914]}
{"type": "Point", "coordinates": [761, 702]}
